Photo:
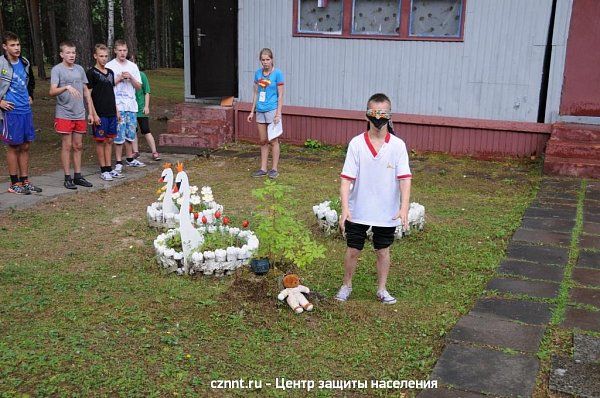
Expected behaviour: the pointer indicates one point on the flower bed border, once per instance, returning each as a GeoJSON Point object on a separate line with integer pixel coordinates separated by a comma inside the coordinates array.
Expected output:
{"type": "Point", "coordinates": [219, 262]}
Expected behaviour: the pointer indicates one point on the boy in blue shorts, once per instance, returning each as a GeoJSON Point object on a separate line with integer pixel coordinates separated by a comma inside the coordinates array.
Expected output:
{"type": "Point", "coordinates": [16, 119]}
{"type": "Point", "coordinates": [127, 80]}
{"type": "Point", "coordinates": [101, 82]}
{"type": "Point", "coordinates": [375, 192]}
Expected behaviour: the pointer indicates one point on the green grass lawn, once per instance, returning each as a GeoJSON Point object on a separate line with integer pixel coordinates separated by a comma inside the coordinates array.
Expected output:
{"type": "Point", "coordinates": [87, 312]}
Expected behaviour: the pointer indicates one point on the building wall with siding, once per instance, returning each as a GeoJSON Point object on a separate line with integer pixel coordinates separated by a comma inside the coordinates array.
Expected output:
{"type": "Point", "coordinates": [494, 74]}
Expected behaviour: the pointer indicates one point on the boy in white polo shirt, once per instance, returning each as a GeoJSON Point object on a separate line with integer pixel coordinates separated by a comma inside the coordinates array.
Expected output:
{"type": "Point", "coordinates": [127, 80]}
{"type": "Point", "coordinates": [375, 192]}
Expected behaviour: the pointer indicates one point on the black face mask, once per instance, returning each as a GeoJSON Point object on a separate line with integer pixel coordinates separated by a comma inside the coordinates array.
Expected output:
{"type": "Point", "coordinates": [378, 123]}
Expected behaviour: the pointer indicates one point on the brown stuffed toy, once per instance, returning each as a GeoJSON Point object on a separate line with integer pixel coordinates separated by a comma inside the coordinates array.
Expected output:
{"type": "Point", "coordinates": [293, 291]}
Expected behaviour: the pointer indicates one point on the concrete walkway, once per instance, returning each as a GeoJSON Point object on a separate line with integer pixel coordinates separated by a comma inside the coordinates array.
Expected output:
{"type": "Point", "coordinates": [52, 183]}
{"type": "Point", "coordinates": [493, 349]}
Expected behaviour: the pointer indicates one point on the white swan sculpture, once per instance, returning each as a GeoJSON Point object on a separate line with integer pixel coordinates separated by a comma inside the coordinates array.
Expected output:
{"type": "Point", "coordinates": [190, 237]}
{"type": "Point", "coordinates": [163, 214]}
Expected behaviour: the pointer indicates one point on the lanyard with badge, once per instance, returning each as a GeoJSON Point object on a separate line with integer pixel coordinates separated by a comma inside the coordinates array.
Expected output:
{"type": "Point", "coordinates": [263, 83]}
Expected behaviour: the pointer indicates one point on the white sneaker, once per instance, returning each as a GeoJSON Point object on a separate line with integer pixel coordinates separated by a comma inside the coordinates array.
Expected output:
{"type": "Point", "coordinates": [118, 168]}
{"type": "Point", "coordinates": [135, 163]}
{"type": "Point", "coordinates": [385, 297]}
{"type": "Point", "coordinates": [116, 174]}
{"type": "Point", "coordinates": [106, 176]}
{"type": "Point", "coordinates": [343, 293]}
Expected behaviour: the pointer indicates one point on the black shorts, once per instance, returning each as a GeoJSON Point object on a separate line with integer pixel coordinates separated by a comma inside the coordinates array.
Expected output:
{"type": "Point", "coordinates": [144, 125]}
{"type": "Point", "coordinates": [356, 234]}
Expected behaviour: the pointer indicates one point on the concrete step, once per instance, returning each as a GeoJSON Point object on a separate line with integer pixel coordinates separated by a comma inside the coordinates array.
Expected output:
{"type": "Point", "coordinates": [574, 167]}
{"type": "Point", "coordinates": [573, 149]}
{"type": "Point", "coordinates": [576, 132]}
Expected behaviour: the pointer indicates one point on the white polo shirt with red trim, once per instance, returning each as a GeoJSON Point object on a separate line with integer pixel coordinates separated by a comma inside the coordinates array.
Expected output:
{"type": "Point", "coordinates": [375, 192]}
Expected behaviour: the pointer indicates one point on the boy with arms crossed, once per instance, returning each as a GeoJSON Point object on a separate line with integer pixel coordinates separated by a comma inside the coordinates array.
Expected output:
{"type": "Point", "coordinates": [68, 84]}
{"type": "Point", "coordinates": [101, 82]}
{"type": "Point", "coordinates": [375, 192]}
{"type": "Point", "coordinates": [127, 80]}
{"type": "Point", "coordinates": [16, 120]}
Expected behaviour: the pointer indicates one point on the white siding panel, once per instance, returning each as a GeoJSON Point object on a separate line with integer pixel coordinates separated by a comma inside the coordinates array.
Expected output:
{"type": "Point", "coordinates": [494, 74]}
{"type": "Point", "coordinates": [559, 55]}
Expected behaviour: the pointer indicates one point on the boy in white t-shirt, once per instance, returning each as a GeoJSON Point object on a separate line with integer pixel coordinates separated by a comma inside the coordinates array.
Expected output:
{"type": "Point", "coordinates": [127, 80]}
{"type": "Point", "coordinates": [375, 192]}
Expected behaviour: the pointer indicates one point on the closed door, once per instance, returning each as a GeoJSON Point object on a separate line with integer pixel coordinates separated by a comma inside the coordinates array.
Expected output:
{"type": "Point", "coordinates": [214, 48]}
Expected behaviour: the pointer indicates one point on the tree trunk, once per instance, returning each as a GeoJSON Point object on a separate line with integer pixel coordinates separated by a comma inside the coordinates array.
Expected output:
{"type": "Point", "coordinates": [2, 27]}
{"type": "Point", "coordinates": [52, 29]}
{"type": "Point", "coordinates": [129, 26]}
{"type": "Point", "coordinates": [33, 8]}
{"type": "Point", "coordinates": [80, 30]}
{"type": "Point", "coordinates": [110, 41]}
{"type": "Point", "coordinates": [157, 27]}
{"type": "Point", "coordinates": [166, 38]}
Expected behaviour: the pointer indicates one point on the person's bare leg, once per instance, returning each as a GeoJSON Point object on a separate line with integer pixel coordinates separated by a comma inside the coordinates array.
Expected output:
{"type": "Point", "coordinates": [264, 145]}
{"type": "Point", "coordinates": [350, 262]}
{"type": "Point", "coordinates": [77, 151]}
{"type": "Point", "coordinates": [23, 159]}
{"type": "Point", "coordinates": [65, 152]}
{"type": "Point", "coordinates": [150, 141]}
{"type": "Point", "coordinates": [383, 267]}
{"type": "Point", "coordinates": [128, 150]}
{"type": "Point", "coordinates": [134, 145]}
{"type": "Point", "coordinates": [119, 152]}
{"type": "Point", "coordinates": [275, 153]}
{"type": "Point", "coordinates": [100, 153]}
{"type": "Point", "coordinates": [12, 158]}
{"type": "Point", "coordinates": [107, 153]}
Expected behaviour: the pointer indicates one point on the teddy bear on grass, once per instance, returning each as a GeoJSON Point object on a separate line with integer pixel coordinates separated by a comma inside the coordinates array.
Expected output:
{"type": "Point", "coordinates": [293, 291]}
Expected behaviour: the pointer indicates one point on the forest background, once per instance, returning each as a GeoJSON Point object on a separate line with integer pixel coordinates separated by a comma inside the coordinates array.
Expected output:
{"type": "Point", "coordinates": [153, 29]}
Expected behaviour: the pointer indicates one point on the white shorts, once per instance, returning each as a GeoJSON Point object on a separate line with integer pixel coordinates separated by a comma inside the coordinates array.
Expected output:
{"type": "Point", "coordinates": [265, 117]}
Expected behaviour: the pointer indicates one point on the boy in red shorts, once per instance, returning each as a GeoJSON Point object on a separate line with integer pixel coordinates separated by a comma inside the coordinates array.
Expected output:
{"type": "Point", "coordinates": [68, 84]}
{"type": "Point", "coordinates": [16, 119]}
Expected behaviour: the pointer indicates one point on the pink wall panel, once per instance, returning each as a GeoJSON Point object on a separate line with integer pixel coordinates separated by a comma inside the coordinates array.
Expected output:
{"type": "Point", "coordinates": [420, 136]}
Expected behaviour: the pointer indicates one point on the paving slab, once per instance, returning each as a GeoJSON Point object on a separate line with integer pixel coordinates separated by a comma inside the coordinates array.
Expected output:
{"type": "Point", "coordinates": [550, 212]}
{"type": "Point", "coordinates": [539, 254]}
{"type": "Point", "coordinates": [532, 270]}
{"type": "Point", "coordinates": [590, 217]}
{"type": "Point", "coordinates": [578, 379]}
{"type": "Point", "coordinates": [587, 276]}
{"type": "Point", "coordinates": [544, 237]}
{"type": "Point", "coordinates": [584, 295]}
{"type": "Point", "coordinates": [582, 319]}
{"type": "Point", "coordinates": [589, 241]}
{"type": "Point", "coordinates": [555, 204]}
{"type": "Point", "coordinates": [449, 393]}
{"type": "Point", "coordinates": [591, 228]}
{"type": "Point", "coordinates": [591, 206]}
{"type": "Point", "coordinates": [589, 259]}
{"type": "Point", "coordinates": [586, 349]}
{"type": "Point", "coordinates": [549, 224]}
{"type": "Point", "coordinates": [498, 333]}
{"type": "Point", "coordinates": [566, 184]}
{"type": "Point", "coordinates": [486, 371]}
{"type": "Point", "coordinates": [52, 183]}
{"type": "Point", "coordinates": [518, 310]}
{"type": "Point", "coordinates": [529, 288]}
{"type": "Point", "coordinates": [553, 192]}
